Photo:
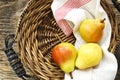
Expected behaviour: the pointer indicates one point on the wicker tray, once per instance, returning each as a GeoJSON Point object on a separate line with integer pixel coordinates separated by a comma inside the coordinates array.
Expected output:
{"type": "Point", "coordinates": [38, 33]}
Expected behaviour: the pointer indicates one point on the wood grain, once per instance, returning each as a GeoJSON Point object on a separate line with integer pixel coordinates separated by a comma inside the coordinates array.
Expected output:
{"type": "Point", "coordinates": [10, 11]}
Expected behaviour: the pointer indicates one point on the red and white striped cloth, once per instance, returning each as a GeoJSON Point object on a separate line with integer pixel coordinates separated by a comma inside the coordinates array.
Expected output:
{"type": "Point", "coordinates": [62, 11]}
{"type": "Point", "coordinates": [68, 15]}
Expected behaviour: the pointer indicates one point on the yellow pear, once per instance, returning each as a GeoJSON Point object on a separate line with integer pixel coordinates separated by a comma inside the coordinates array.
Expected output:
{"type": "Point", "coordinates": [91, 30]}
{"type": "Point", "coordinates": [64, 55]}
{"type": "Point", "coordinates": [89, 55]}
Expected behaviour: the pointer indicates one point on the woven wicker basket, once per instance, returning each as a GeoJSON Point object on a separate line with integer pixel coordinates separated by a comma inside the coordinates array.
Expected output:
{"type": "Point", "coordinates": [38, 33]}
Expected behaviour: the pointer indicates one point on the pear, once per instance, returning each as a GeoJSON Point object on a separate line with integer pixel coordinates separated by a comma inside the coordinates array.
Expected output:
{"type": "Point", "coordinates": [64, 55]}
{"type": "Point", "coordinates": [89, 55]}
{"type": "Point", "coordinates": [91, 30]}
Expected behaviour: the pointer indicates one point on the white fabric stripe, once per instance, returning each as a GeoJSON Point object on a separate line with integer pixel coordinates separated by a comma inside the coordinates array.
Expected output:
{"type": "Point", "coordinates": [57, 4]}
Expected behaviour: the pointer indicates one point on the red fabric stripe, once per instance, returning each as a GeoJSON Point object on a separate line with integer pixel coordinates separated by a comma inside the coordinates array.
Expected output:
{"type": "Point", "coordinates": [61, 12]}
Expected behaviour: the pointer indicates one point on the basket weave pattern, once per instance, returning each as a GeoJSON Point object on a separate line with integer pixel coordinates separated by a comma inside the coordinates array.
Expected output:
{"type": "Point", "coordinates": [38, 33]}
{"type": "Point", "coordinates": [115, 38]}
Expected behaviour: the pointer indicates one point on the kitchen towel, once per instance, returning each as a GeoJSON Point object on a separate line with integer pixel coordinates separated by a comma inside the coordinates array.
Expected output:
{"type": "Point", "coordinates": [68, 15]}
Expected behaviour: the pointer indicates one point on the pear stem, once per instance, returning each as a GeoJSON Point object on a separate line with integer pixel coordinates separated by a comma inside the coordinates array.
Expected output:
{"type": "Point", "coordinates": [103, 20]}
{"type": "Point", "coordinates": [71, 75]}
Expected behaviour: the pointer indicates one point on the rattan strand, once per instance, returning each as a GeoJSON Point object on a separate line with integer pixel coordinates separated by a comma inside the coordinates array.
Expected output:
{"type": "Point", "coordinates": [38, 33]}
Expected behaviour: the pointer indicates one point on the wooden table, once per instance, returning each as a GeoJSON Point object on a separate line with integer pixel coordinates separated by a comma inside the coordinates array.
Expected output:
{"type": "Point", "coordinates": [10, 11]}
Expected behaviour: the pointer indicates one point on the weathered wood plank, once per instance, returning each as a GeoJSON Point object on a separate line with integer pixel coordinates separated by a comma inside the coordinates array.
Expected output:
{"type": "Point", "coordinates": [10, 11]}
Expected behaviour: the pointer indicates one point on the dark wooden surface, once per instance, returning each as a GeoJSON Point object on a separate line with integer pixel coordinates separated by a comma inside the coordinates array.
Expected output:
{"type": "Point", "coordinates": [10, 11]}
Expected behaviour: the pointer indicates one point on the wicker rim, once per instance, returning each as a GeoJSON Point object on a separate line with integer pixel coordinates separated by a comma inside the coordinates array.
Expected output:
{"type": "Point", "coordinates": [114, 23]}
{"type": "Point", "coordinates": [37, 18]}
